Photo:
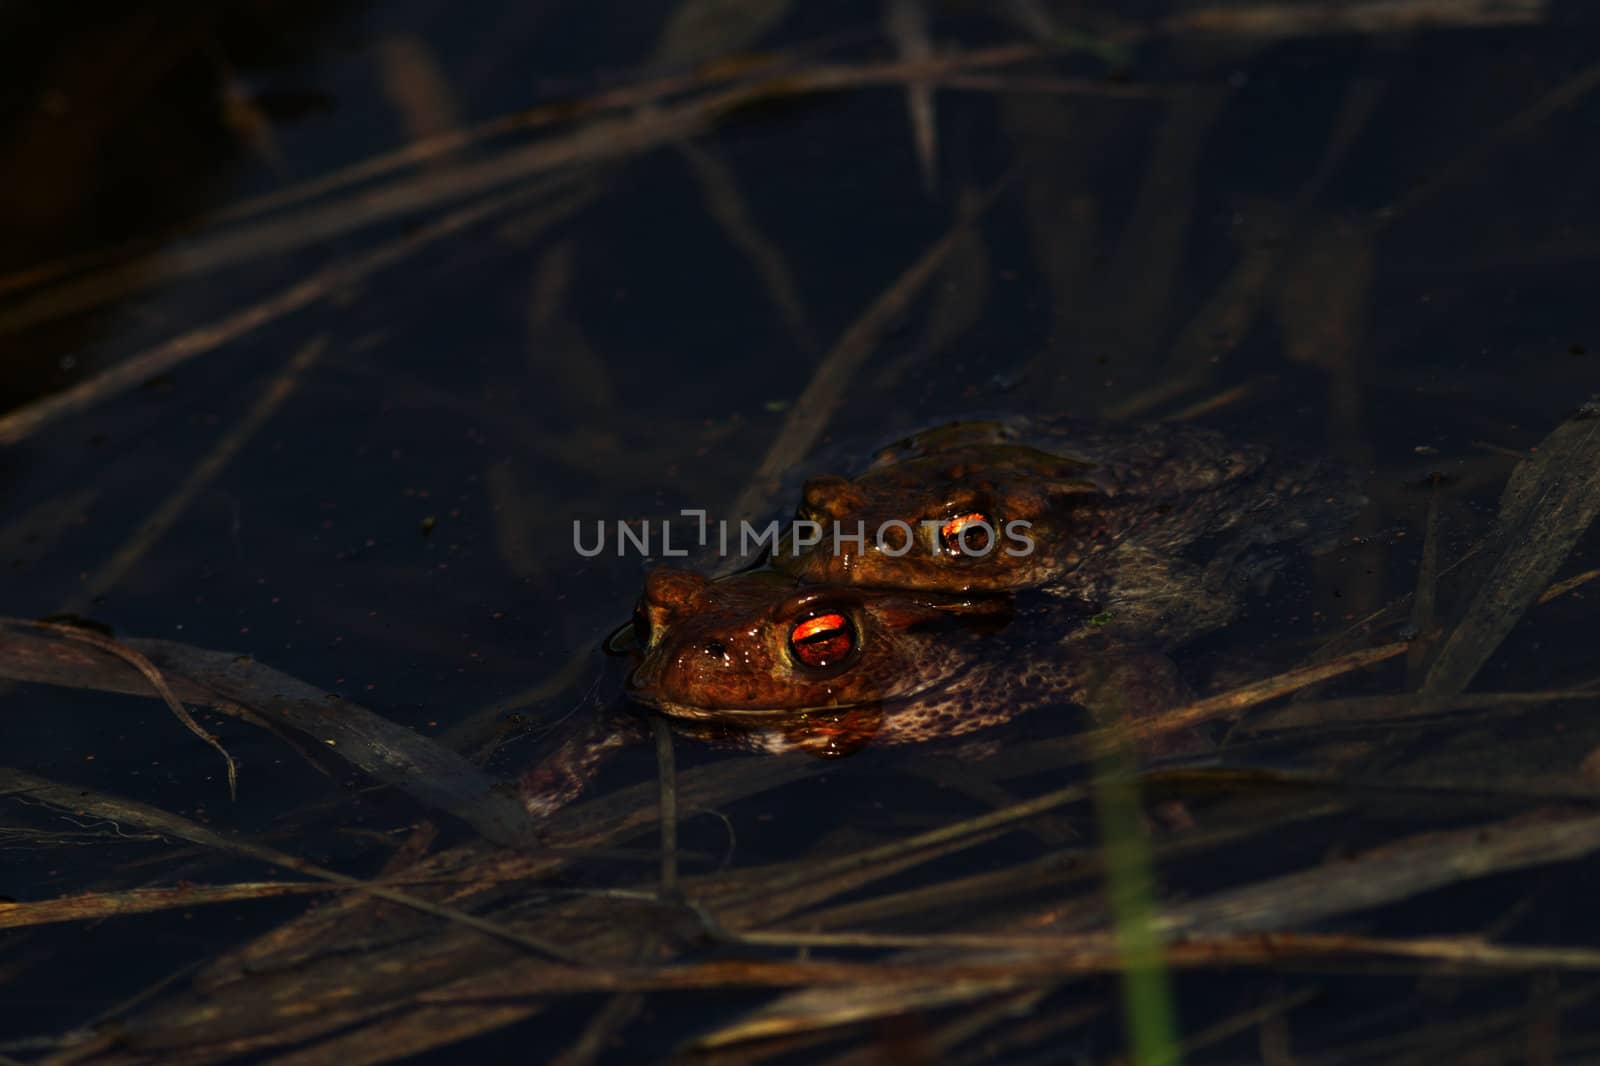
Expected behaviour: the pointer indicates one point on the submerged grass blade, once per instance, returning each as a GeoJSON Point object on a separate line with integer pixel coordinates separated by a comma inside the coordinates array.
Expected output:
{"type": "Point", "coordinates": [906, 22]}
{"type": "Point", "coordinates": [1147, 1001]}
{"type": "Point", "coordinates": [428, 772]}
{"type": "Point", "coordinates": [1548, 504]}
{"type": "Point", "coordinates": [172, 508]}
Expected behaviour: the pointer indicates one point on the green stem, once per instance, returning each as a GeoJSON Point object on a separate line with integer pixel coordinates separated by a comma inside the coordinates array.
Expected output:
{"type": "Point", "coordinates": [1146, 991]}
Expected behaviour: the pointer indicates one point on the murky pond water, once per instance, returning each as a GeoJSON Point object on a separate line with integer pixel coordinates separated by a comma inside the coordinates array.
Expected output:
{"type": "Point", "coordinates": [322, 328]}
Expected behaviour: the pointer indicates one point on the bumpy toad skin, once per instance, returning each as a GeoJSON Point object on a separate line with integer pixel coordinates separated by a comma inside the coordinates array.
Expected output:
{"type": "Point", "coordinates": [1158, 525]}
{"type": "Point", "coordinates": [1156, 530]}
{"type": "Point", "coordinates": [718, 659]}
{"type": "Point", "coordinates": [909, 666]}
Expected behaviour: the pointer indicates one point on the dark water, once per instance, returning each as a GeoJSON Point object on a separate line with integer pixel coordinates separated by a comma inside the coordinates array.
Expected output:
{"type": "Point", "coordinates": [1377, 246]}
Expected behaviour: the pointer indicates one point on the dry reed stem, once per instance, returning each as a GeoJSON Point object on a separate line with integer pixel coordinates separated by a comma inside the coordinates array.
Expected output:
{"type": "Point", "coordinates": [157, 681]}
{"type": "Point", "coordinates": [96, 906]}
{"type": "Point", "coordinates": [78, 799]}
{"type": "Point", "coordinates": [1360, 16]}
{"type": "Point", "coordinates": [601, 140]}
{"type": "Point", "coordinates": [1238, 699]}
{"type": "Point", "coordinates": [25, 421]}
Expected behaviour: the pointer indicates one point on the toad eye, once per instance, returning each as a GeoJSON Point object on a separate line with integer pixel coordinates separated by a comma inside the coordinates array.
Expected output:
{"type": "Point", "coordinates": [969, 534]}
{"type": "Point", "coordinates": [822, 640]}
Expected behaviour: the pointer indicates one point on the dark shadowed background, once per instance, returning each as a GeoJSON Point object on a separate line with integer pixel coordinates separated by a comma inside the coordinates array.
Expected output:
{"type": "Point", "coordinates": [321, 324]}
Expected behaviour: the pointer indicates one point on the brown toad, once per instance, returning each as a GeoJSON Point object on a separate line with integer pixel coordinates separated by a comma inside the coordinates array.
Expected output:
{"type": "Point", "coordinates": [1161, 527]}
{"type": "Point", "coordinates": [761, 662]}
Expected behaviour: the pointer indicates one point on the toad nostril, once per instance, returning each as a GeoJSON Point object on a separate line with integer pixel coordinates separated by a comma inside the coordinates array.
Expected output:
{"type": "Point", "coordinates": [716, 650]}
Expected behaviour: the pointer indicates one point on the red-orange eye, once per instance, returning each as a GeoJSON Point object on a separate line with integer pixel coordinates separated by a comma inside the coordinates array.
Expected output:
{"type": "Point", "coordinates": [823, 641]}
{"type": "Point", "coordinates": [967, 534]}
